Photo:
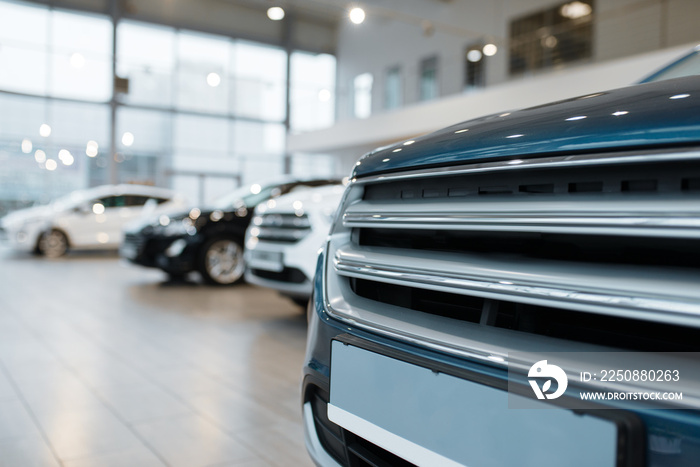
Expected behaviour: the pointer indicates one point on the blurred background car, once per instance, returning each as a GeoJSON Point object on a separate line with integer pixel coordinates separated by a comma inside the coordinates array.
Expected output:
{"type": "Point", "coordinates": [84, 219]}
{"type": "Point", "coordinates": [282, 242]}
{"type": "Point", "coordinates": [207, 240]}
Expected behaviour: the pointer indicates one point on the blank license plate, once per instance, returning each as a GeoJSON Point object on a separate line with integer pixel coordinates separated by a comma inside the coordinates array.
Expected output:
{"type": "Point", "coordinates": [431, 418]}
{"type": "Point", "coordinates": [267, 260]}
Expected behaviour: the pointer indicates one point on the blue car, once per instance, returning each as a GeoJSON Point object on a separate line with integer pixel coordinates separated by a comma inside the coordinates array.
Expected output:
{"type": "Point", "coordinates": [519, 289]}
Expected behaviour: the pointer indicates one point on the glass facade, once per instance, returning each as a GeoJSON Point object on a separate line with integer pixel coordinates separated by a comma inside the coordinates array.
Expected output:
{"type": "Point", "coordinates": [552, 37]}
{"type": "Point", "coordinates": [202, 113]}
{"type": "Point", "coordinates": [312, 85]}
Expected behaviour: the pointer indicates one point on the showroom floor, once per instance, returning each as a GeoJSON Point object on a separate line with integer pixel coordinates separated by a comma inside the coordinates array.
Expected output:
{"type": "Point", "coordinates": [101, 364]}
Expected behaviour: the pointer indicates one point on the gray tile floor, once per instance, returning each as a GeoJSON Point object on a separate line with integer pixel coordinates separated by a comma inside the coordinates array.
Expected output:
{"type": "Point", "coordinates": [103, 365]}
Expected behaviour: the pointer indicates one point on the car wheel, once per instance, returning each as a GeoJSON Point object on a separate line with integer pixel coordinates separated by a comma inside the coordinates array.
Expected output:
{"type": "Point", "coordinates": [221, 261]}
{"type": "Point", "coordinates": [53, 244]}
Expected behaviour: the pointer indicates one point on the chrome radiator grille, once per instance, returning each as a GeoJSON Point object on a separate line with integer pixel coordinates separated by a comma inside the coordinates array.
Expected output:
{"type": "Point", "coordinates": [597, 250]}
{"type": "Point", "coordinates": [282, 227]}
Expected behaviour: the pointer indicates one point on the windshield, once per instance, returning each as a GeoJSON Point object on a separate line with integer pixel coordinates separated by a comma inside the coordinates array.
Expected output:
{"type": "Point", "coordinates": [249, 196]}
{"type": "Point", "coordinates": [253, 195]}
{"type": "Point", "coordinates": [71, 199]}
{"type": "Point", "coordinates": [686, 66]}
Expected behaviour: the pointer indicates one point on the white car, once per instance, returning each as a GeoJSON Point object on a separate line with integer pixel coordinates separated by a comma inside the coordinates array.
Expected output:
{"type": "Point", "coordinates": [284, 237]}
{"type": "Point", "coordinates": [84, 219]}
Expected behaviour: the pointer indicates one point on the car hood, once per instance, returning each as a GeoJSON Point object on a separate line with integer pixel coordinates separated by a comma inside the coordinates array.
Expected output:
{"type": "Point", "coordinates": [321, 200]}
{"type": "Point", "coordinates": [29, 214]}
{"type": "Point", "coordinates": [657, 114]}
{"type": "Point", "coordinates": [138, 224]}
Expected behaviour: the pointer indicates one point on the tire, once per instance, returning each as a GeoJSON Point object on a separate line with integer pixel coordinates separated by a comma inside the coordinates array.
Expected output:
{"type": "Point", "coordinates": [53, 244]}
{"type": "Point", "coordinates": [221, 261]}
{"type": "Point", "coordinates": [302, 302]}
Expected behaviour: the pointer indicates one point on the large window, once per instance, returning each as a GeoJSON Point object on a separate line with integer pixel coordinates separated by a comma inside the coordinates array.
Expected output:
{"type": "Point", "coordinates": [202, 113]}
{"type": "Point", "coordinates": [55, 53]}
{"type": "Point", "coordinates": [362, 95]}
{"type": "Point", "coordinates": [313, 91]}
{"type": "Point", "coordinates": [258, 80]}
{"type": "Point", "coordinates": [428, 79]}
{"type": "Point", "coordinates": [146, 56]}
{"type": "Point", "coordinates": [393, 89]}
{"type": "Point", "coordinates": [474, 66]}
{"type": "Point", "coordinates": [551, 37]}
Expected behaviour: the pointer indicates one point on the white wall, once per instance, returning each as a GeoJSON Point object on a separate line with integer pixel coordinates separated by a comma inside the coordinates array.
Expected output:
{"type": "Point", "coordinates": [392, 35]}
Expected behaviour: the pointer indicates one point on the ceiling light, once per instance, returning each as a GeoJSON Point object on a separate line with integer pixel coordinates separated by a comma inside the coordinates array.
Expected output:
{"type": "Point", "coordinates": [44, 130]}
{"type": "Point", "coordinates": [51, 164]}
{"type": "Point", "coordinates": [40, 156]}
{"type": "Point", "coordinates": [490, 50]}
{"type": "Point", "coordinates": [77, 60]}
{"type": "Point", "coordinates": [575, 10]}
{"type": "Point", "coordinates": [474, 55]}
{"type": "Point", "coordinates": [127, 138]}
{"type": "Point", "coordinates": [26, 145]}
{"type": "Point", "coordinates": [275, 13]}
{"type": "Point", "coordinates": [550, 42]}
{"type": "Point", "coordinates": [213, 79]}
{"type": "Point", "coordinates": [91, 148]}
{"type": "Point", "coordinates": [67, 159]}
{"type": "Point", "coordinates": [357, 15]}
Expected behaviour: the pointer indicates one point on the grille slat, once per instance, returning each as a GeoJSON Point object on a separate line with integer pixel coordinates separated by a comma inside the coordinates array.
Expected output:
{"type": "Point", "coordinates": [281, 227]}
{"type": "Point", "coordinates": [671, 217]}
{"type": "Point", "coordinates": [667, 295]}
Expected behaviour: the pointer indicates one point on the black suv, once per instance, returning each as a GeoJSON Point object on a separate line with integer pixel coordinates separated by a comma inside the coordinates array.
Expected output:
{"type": "Point", "coordinates": [208, 240]}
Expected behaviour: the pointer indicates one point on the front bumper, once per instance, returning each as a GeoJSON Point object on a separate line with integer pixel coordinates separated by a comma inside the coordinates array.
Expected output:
{"type": "Point", "coordinates": [299, 287]}
{"type": "Point", "coordinates": [22, 239]}
{"type": "Point", "coordinates": [152, 251]}
{"type": "Point", "coordinates": [658, 437]}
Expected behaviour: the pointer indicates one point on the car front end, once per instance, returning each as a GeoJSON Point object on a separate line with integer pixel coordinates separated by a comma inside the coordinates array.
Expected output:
{"type": "Point", "coordinates": [22, 232]}
{"type": "Point", "coordinates": [462, 260]}
{"type": "Point", "coordinates": [284, 238]}
{"type": "Point", "coordinates": [172, 242]}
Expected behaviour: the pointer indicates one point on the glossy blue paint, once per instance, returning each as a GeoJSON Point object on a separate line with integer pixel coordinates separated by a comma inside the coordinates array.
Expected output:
{"type": "Point", "coordinates": [659, 114]}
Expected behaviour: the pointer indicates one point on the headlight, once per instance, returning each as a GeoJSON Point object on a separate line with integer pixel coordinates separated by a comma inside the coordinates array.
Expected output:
{"type": "Point", "coordinates": [178, 227]}
{"type": "Point", "coordinates": [176, 248]}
